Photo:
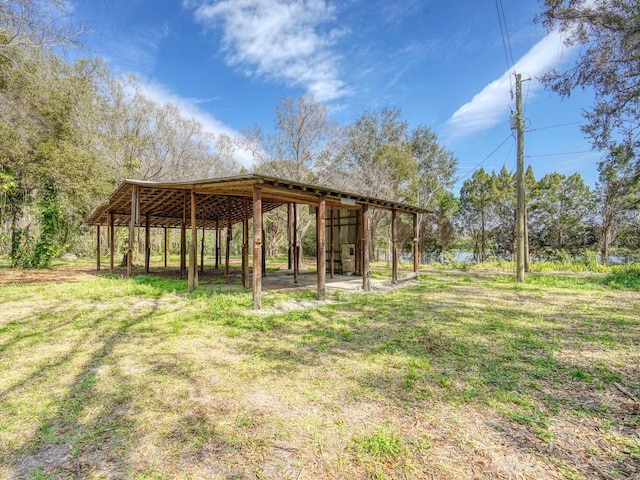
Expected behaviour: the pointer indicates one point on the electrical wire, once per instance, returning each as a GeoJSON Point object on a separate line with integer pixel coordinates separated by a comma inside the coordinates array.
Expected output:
{"type": "Point", "coordinates": [506, 157]}
{"type": "Point", "coordinates": [506, 29]}
{"type": "Point", "coordinates": [554, 126]}
{"type": "Point", "coordinates": [506, 44]}
{"type": "Point", "coordinates": [484, 159]}
{"type": "Point", "coordinates": [557, 154]}
{"type": "Point", "coordinates": [440, 187]}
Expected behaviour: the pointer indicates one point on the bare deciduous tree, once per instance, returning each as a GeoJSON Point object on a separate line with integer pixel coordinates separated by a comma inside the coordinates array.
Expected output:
{"type": "Point", "coordinates": [35, 23]}
{"type": "Point", "coordinates": [157, 142]}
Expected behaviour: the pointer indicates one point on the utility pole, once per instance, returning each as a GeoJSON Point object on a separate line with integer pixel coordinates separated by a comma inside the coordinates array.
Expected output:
{"type": "Point", "coordinates": [520, 206]}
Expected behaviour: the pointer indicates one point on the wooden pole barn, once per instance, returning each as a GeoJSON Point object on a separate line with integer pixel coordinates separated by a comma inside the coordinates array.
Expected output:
{"type": "Point", "coordinates": [218, 203]}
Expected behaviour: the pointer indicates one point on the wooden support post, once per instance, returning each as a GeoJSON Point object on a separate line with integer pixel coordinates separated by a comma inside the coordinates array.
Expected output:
{"type": "Point", "coordinates": [112, 248]}
{"type": "Point", "coordinates": [321, 247]}
{"type": "Point", "coordinates": [394, 246]}
{"type": "Point", "coordinates": [183, 237]}
{"type": "Point", "coordinates": [245, 245]}
{"type": "Point", "coordinates": [183, 247]}
{"type": "Point", "coordinates": [331, 248]}
{"type": "Point", "coordinates": [192, 281]}
{"type": "Point", "coordinates": [202, 246]}
{"type": "Point", "coordinates": [257, 248]}
{"type": "Point", "coordinates": [358, 245]}
{"type": "Point", "coordinates": [339, 222]}
{"type": "Point", "coordinates": [132, 228]}
{"type": "Point", "coordinates": [289, 242]}
{"type": "Point", "coordinates": [264, 253]}
{"type": "Point", "coordinates": [98, 247]}
{"type": "Point", "coordinates": [366, 233]}
{"type": "Point", "coordinates": [229, 237]}
{"type": "Point", "coordinates": [217, 244]}
{"type": "Point", "coordinates": [296, 260]}
{"type": "Point", "coordinates": [147, 244]}
{"type": "Point", "coordinates": [416, 247]}
{"type": "Point", "coordinates": [166, 253]}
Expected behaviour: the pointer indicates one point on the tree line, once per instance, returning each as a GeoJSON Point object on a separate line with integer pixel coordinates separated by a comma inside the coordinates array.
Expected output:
{"type": "Point", "coordinates": [70, 131]}
{"type": "Point", "coordinates": [564, 215]}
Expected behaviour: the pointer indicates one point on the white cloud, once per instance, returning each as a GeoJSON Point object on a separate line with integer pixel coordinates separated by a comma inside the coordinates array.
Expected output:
{"type": "Point", "coordinates": [490, 106]}
{"type": "Point", "coordinates": [190, 109]}
{"type": "Point", "coordinates": [284, 40]}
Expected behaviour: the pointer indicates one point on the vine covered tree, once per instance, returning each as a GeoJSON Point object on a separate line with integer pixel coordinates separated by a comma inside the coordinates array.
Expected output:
{"type": "Point", "coordinates": [47, 131]}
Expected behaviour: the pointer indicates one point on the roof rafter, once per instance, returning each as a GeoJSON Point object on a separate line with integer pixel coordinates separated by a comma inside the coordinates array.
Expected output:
{"type": "Point", "coordinates": [165, 205]}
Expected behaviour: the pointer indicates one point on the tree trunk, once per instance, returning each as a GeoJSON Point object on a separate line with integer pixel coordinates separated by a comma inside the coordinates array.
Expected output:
{"type": "Point", "coordinates": [606, 240]}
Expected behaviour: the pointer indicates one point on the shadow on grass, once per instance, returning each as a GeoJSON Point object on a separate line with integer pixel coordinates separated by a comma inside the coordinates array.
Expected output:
{"type": "Point", "coordinates": [447, 342]}
{"type": "Point", "coordinates": [529, 365]}
{"type": "Point", "coordinates": [89, 431]}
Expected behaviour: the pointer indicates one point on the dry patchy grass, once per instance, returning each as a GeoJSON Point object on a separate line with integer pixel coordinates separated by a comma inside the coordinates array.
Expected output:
{"type": "Point", "coordinates": [461, 376]}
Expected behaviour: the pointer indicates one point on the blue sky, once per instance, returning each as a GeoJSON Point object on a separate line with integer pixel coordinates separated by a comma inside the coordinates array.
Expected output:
{"type": "Point", "coordinates": [228, 62]}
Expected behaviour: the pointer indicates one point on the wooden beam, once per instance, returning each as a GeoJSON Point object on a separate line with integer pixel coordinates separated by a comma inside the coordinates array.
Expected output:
{"type": "Point", "coordinates": [340, 240]}
{"type": "Point", "coordinates": [358, 244]}
{"type": "Point", "coordinates": [394, 246]}
{"type": "Point", "coordinates": [98, 247]}
{"type": "Point", "coordinates": [192, 281]}
{"type": "Point", "coordinates": [229, 236]}
{"type": "Point", "coordinates": [217, 244]}
{"type": "Point", "coordinates": [111, 243]}
{"type": "Point", "coordinates": [264, 252]}
{"type": "Point", "coordinates": [296, 253]}
{"type": "Point", "coordinates": [122, 198]}
{"type": "Point", "coordinates": [321, 247]}
{"type": "Point", "coordinates": [132, 228]}
{"type": "Point", "coordinates": [257, 248]}
{"type": "Point", "coordinates": [202, 248]}
{"type": "Point", "coordinates": [416, 248]}
{"type": "Point", "coordinates": [160, 202]}
{"type": "Point", "coordinates": [183, 247]}
{"type": "Point", "coordinates": [166, 253]}
{"type": "Point", "coordinates": [331, 249]}
{"type": "Point", "coordinates": [183, 236]}
{"type": "Point", "coordinates": [147, 244]}
{"type": "Point", "coordinates": [245, 245]}
{"type": "Point", "coordinates": [289, 243]}
{"type": "Point", "coordinates": [366, 234]}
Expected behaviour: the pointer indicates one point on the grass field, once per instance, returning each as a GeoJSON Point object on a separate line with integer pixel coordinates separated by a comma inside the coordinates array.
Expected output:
{"type": "Point", "coordinates": [465, 375]}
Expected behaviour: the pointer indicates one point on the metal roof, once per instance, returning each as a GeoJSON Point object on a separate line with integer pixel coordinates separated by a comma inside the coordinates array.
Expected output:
{"type": "Point", "coordinates": [220, 201]}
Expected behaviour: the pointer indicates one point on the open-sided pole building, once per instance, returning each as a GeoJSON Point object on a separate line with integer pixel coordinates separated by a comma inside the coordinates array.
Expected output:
{"type": "Point", "coordinates": [219, 203]}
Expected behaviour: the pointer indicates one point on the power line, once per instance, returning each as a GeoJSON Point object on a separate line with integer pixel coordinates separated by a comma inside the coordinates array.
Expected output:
{"type": "Point", "coordinates": [554, 126]}
{"type": "Point", "coordinates": [508, 154]}
{"type": "Point", "coordinates": [484, 159]}
{"type": "Point", "coordinates": [506, 44]}
{"type": "Point", "coordinates": [505, 34]}
{"type": "Point", "coordinates": [557, 154]}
